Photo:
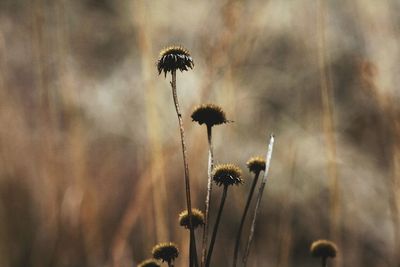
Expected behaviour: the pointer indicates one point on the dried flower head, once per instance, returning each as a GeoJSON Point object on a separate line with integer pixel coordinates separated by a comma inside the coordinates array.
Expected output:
{"type": "Point", "coordinates": [197, 218]}
{"type": "Point", "coordinates": [149, 263]}
{"type": "Point", "coordinates": [209, 114]}
{"type": "Point", "coordinates": [323, 249]}
{"type": "Point", "coordinates": [227, 174]}
{"type": "Point", "coordinates": [172, 58]}
{"type": "Point", "coordinates": [256, 164]}
{"type": "Point", "coordinates": [165, 251]}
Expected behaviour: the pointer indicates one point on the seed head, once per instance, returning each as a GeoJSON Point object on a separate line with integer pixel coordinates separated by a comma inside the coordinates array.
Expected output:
{"type": "Point", "coordinates": [165, 251]}
{"type": "Point", "coordinates": [197, 218]}
{"type": "Point", "coordinates": [256, 164]}
{"type": "Point", "coordinates": [172, 58]}
{"type": "Point", "coordinates": [209, 114]}
{"type": "Point", "coordinates": [227, 174]}
{"type": "Point", "coordinates": [149, 263]}
{"type": "Point", "coordinates": [323, 249]}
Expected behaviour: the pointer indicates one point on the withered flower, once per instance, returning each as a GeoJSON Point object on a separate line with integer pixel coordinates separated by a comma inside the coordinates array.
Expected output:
{"type": "Point", "coordinates": [256, 164]}
{"type": "Point", "coordinates": [197, 218]}
{"type": "Point", "coordinates": [209, 114]}
{"type": "Point", "coordinates": [173, 58]}
{"type": "Point", "coordinates": [227, 174]}
{"type": "Point", "coordinates": [149, 263]}
{"type": "Point", "coordinates": [167, 252]}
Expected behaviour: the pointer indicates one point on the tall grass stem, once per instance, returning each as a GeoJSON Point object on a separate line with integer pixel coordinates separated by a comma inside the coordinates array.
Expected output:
{"type": "Point", "coordinates": [214, 234]}
{"type": "Point", "coordinates": [208, 197]}
{"type": "Point", "coordinates": [246, 209]}
{"type": "Point", "coordinates": [259, 197]}
{"type": "Point", "coordinates": [193, 253]}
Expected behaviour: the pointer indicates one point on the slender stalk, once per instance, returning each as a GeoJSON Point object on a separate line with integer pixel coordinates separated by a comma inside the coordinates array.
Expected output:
{"type": "Point", "coordinates": [208, 197]}
{"type": "Point", "coordinates": [214, 234]}
{"type": "Point", "coordinates": [259, 197]}
{"type": "Point", "coordinates": [193, 252]}
{"type": "Point", "coordinates": [246, 209]}
{"type": "Point", "coordinates": [324, 262]}
{"type": "Point", "coordinates": [170, 263]}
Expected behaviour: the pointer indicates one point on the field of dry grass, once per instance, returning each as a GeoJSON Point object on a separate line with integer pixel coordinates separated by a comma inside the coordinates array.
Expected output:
{"type": "Point", "coordinates": [90, 158]}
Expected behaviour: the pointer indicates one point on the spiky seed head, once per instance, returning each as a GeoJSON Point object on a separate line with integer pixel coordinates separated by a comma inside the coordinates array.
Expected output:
{"type": "Point", "coordinates": [323, 249]}
{"type": "Point", "coordinates": [197, 218]}
{"type": "Point", "coordinates": [227, 174]}
{"type": "Point", "coordinates": [256, 164]}
{"type": "Point", "coordinates": [149, 263]}
{"type": "Point", "coordinates": [165, 251]}
{"type": "Point", "coordinates": [209, 114]}
{"type": "Point", "coordinates": [172, 58]}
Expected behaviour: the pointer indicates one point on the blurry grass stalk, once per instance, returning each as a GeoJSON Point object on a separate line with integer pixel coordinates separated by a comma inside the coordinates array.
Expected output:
{"type": "Point", "coordinates": [246, 209]}
{"type": "Point", "coordinates": [259, 197]}
{"type": "Point", "coordinates": [208, 197]}
{"type": "Point", "coordinates": [328, 124]}
{"type": "Point", "coordinates": [215, 230]}
{"type": "Point", "coordinates": [193, 253]}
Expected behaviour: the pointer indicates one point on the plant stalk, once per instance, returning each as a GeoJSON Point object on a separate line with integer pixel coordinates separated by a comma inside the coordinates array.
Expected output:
{"type": "Point", "coordinates": [208, 197]}
{"type": "Point", "coordinates": [259, 197]}
{"type": "Point", "coordinates": [192, 251]}
{"type": "Point", "coordinates": [324, 262]}
{"type": "Point", "coordinates": [246, 209]}
{"type": "Point", "coordinates": [214, 234]}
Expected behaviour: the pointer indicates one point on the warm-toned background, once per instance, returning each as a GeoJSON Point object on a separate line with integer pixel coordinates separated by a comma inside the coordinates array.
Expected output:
{"type": "Point", "coordinates": [90, 161]}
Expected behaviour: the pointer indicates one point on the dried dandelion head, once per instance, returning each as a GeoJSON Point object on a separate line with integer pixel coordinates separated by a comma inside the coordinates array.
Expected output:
{"type": "Point", "coordinates": [149, 263]}
{"type": "Point", "coordinates": [165, 251]}
{"type": "Point", "coordinates": [172, 58]}
{"type": "Point", "coordinates": [323, 249]}
{"type": "Point", "coordinates": [209, 114]}
{"type": "Point", "coordinates": [197, 218]}
{"type": "Point", "coordinates": [256, 164]}
{"type": "Point", "coordinates": [227, 174]}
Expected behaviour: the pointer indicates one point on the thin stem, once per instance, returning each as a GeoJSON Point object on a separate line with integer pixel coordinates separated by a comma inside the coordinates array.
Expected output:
{"type": "Point", "coordinates": [259, 197]}
{"type": "Point", "coordinates": [214, 234]}
{"type": "Point", "coordinates": [193, 252]}
{"type": "Point", "coordinates": [246, 209]}
{"type": "Point", "coordinates": [324, 262]}
{"type": "Point", "coordinates": [208, 197]}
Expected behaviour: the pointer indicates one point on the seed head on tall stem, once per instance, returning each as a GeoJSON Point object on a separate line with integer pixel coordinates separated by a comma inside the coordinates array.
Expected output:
{"type": "Point", "coordinates": [223, 175]}
{"type": "Point", "coordinates": [149, 263]}
{"type": "Point", "coordinates": [166, 252]}
{"type": "Point", "coordinates": [210, 115]}
{"type": "Point", "coordinates": [323, 249]}
{"type": "Point", "coordinates": [255, 165]}
{"type": "Point", "coordinates": [170, 60]}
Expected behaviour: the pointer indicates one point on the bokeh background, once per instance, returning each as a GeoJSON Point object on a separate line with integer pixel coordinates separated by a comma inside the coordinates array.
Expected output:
{"type": "Point", "coordinates": [91, 167]}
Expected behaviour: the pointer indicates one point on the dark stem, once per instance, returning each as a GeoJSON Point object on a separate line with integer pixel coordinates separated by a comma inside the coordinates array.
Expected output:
{"type": "Point", "coordinates": [214, 234]}
{"type": "Point", "coordinates": [208, 197]}
{"type": "Point", "coordinates": [246, 209]}
{"type": "Point", "coordinates": [170, 263]}
{"type": "Point", "coordinates": [193, 252]}
{"type": "Point", "coordinates": [324, 262]}
{"type": "Point", "coordinates": [253, 224]}
{"type": "Point", "coordinates": [259, 197]}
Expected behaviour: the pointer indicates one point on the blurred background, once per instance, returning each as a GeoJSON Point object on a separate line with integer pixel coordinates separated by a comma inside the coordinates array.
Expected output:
{"type": "Point", "coordinates": [91, 169]}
